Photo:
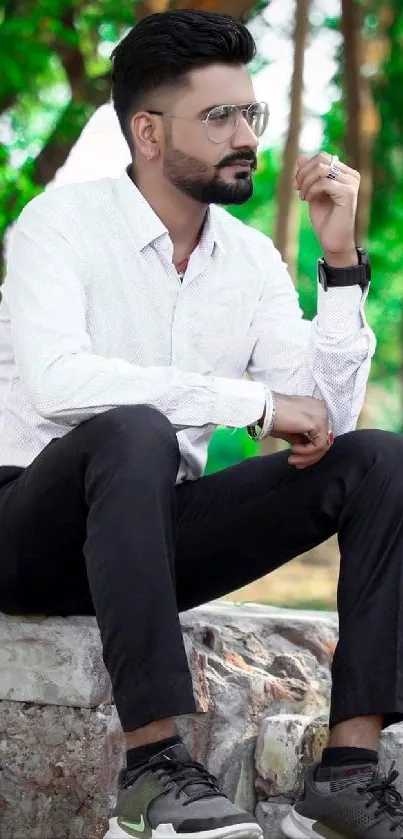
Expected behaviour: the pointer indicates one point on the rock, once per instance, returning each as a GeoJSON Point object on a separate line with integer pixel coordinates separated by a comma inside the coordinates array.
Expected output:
{"type": "Point", "coordinates": [282, 655]}
{"type": "Point", "coordinates": [248, 661]}
{"type": "Point", "coordinates": [61, 744]}
{"type": "Point", "coordinates": [56, 661]}
{"type": "Point", "coordinates": [48, 792]}
{"type": "Point", "coordinates": [270, 815]}
{"type": "Point", "coordinates": [278, 754]}
{"type": "Point", "coordinates": [391, 750]}
{"type": "Point", "coordinates": [315, 740]}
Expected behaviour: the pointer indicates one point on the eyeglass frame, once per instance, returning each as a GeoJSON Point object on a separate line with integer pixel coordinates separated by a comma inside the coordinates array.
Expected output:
{"type": "Point", "coordinates": [241, 110]}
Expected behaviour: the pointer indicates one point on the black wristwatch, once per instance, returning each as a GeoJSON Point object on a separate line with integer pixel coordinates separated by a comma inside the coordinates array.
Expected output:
{"type": "Point", "coordinates": [341, 277]}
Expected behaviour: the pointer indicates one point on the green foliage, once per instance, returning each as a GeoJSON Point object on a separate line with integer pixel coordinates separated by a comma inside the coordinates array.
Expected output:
{"type": "Point", "coordinates": [229, 447]}
{"type": "Point", "coordinates": [54, 73]}
{"type": "Point", "coordinates": [385, 241]}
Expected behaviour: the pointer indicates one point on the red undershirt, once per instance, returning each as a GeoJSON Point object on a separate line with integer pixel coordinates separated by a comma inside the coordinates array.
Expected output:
{"type": "Point", "coordinates": [182, 266]}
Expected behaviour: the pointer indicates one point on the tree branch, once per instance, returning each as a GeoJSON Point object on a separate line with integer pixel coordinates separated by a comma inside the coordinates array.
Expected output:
{"type": "Point", "coordinates": [86, 95]}
{"type": "Point", "coordinates": [68, 129]}
{"type": "Point", "coordinates": [8, 100]}
{"type": "Point", "coordinates": [10, 97]}
{"type": "Point", "coordinates": [54, 153]}
{"type": "Point", "coordinates": [71, 56]}
{"type": "Point", "coordinates": [239, 9]}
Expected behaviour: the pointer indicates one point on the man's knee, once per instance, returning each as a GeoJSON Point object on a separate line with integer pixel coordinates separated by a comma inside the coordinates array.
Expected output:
{"type": "Point", "coordinates": [139, 428]}
{"type": "Point", "coordinates": [369, 447]}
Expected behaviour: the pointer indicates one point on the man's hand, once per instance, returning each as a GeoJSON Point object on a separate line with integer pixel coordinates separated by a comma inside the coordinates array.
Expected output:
{"type": "Point", "coordinates": [304, 423]}
{"type": "Point", "coordinates": [332, 206]}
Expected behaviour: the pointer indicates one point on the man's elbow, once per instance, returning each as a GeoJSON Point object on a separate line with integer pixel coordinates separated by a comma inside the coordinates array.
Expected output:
{"type": "Point", "coordinates": [47, 396]}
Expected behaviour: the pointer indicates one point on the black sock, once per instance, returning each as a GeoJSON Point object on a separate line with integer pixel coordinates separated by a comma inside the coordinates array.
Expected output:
{"type": "Point", "coordinates": [341, 766]}
{"type": "Point", "coordinates": [142, 754]}
{"type": "Point", "coordinates": [347, 756]}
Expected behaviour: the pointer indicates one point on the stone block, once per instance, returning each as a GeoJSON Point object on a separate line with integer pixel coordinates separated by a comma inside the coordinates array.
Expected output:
{"type": "Point", "coordinates": [278, 754]}
{"type": "Point", "coordinates": [61, 755]}
{"type": "Point", "coordinates": [247, 661]}
{"type": "Point", "coordinates": [59, 770]}
{"type": "Point", "coordinates": [283, 656]}
{"type": "Point", "coordinates": [55, 661]}
{"type": "Point", "coordinates": [270, 815]}
{"type": "Point", "coordinates": [315, 739]}
{"type": "Point", "coordinates": [391, 751]}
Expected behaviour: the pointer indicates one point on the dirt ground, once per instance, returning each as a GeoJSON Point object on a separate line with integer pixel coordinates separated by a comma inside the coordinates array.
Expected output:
{"type": "Point", "coordinates": [308, 581]}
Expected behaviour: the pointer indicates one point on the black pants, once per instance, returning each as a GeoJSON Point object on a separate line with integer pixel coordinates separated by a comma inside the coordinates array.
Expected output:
{"type": "Point", "coordinates": [96, 524]}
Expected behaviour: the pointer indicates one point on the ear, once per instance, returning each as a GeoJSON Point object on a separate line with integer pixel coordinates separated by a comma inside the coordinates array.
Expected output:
{"type": "Point", "coordinates": [146, 133]}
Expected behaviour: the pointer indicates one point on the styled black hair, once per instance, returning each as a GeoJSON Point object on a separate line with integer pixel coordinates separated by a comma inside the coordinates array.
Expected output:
{"type": "Point", "coordinates": [163, 48]}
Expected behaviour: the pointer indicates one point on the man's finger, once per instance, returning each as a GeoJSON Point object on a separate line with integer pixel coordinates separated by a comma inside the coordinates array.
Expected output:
{"type": "Point", "coordinates": [303, 462]}
{"type": "Point", "coordinates": [317, 438]}
{"type": "Point", "coordinates": [307, 454]}
{"type": "Point", "coordinates": [315, 175]}
{"type": "Point", "coordinates": [306, 164]}
{"type": "Point", "coordinates": [341, 194]}
{"type": "Point", "coordinates": [304, 449]}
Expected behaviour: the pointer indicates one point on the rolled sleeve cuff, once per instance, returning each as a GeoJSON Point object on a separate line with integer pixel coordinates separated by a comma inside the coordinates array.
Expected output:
{"type": "Point", "coordinates": [238, 403]}
{"type": "Point", "coordinates": [341, 310]}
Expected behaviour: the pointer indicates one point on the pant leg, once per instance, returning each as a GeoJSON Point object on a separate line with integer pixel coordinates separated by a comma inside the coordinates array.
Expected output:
{"type": "Point", "coordinates": [239, 524]}
{"type": "Point", "coordinates": [118, 471]}
{"type": "Point", "coordinates": [90, 525]}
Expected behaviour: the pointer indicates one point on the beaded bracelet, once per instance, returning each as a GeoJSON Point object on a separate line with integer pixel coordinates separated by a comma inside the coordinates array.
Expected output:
{"type": "Point", "coordinates": [258, 433]}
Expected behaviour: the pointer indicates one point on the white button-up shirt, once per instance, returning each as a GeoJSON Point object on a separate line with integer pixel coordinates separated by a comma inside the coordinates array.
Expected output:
{"type": "Point", "coordinates": [94, 316]}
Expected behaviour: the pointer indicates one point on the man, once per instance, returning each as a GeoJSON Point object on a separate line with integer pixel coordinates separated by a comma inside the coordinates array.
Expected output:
{"type": "Point", "coordinates": [136, 308]}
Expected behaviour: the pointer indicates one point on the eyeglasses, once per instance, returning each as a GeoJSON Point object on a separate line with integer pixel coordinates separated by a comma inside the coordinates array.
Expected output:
{"type": "Point", "coordinates": [222, 121]}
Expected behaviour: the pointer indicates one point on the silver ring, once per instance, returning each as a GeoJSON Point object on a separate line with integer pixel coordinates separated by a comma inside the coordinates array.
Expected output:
{"type": "Point", "coordinates": [334, 169]}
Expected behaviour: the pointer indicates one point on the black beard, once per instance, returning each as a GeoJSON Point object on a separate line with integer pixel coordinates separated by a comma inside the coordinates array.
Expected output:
{"type": "Point", "coordinates": [186, 174]}
{"type": "Point", "coordinates": [216, 191]}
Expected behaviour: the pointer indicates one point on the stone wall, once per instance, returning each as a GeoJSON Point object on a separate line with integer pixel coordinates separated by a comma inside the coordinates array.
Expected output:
{"type": "Point", "coordinates": [262, 684]}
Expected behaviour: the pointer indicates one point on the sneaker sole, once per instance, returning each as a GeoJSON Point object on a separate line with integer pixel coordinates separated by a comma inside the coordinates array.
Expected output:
{"type": "Point", "coordinates": [295, 826]}
{"type": "Point", "coordinates": [167, 831]}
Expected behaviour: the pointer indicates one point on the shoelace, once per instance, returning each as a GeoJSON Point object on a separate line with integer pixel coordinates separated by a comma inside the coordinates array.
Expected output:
{"type": "Point", "coordinates": [185, 774]}
{"type": "Point", "coordinates": [389, 799]}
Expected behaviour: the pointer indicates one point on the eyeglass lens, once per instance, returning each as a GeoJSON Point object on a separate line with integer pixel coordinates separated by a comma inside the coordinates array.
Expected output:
{"type": "Point", "coordinates": [223, 121]}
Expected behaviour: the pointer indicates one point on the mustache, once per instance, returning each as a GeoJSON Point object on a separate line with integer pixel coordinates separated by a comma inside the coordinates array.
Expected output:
{"type": "Point", "coordinates": [240, 157]}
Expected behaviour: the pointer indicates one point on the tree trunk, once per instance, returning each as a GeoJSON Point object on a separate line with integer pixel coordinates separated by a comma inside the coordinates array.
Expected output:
{"type": "Point", "coordinates": [288, 211]}
{"type": "Point", "coordinates": [362, 115]}
{"type": "Point", "coordinates": [287, 226]}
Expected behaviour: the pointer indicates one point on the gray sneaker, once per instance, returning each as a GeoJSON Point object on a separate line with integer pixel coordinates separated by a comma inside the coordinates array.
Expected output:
{"type": "Point", "coordinates": [172, 796]}
{"type": "Point", "coordinates": [369, 810]}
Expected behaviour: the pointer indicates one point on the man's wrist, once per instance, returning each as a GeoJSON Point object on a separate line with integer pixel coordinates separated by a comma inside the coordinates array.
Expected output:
{"type": "Point", "coordinates": [347, 259]}
{"type": "Point", "coordinates": [264, 426]}
{"type": "Point", "coordinates": [342, 276]}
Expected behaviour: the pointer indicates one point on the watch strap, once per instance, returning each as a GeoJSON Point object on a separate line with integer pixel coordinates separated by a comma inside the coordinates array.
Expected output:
{"type": "Point", "coordinates": [360, 274]}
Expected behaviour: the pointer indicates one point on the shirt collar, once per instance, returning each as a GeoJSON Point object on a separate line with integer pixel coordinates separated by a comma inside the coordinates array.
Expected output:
{"type": "Point", "coordinates": [147, 227]}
